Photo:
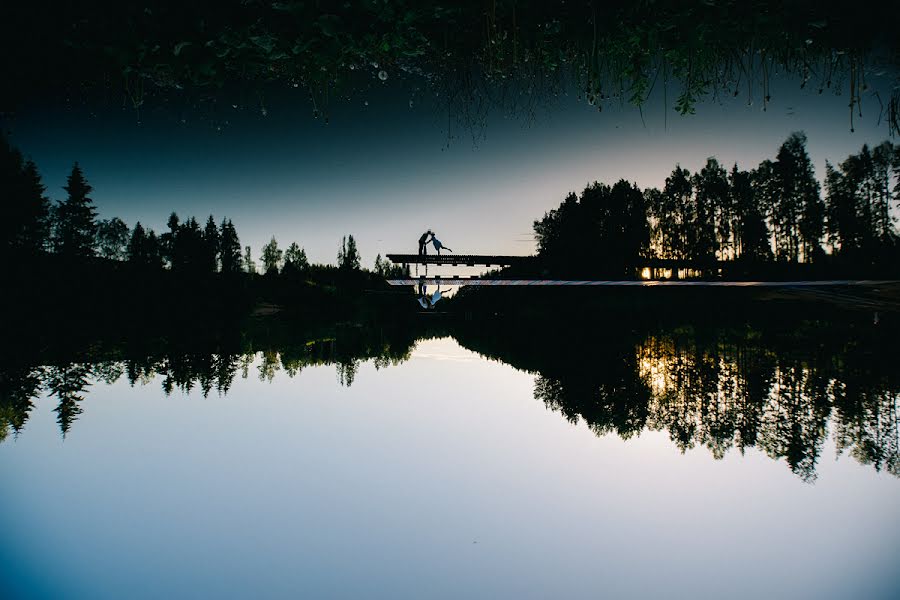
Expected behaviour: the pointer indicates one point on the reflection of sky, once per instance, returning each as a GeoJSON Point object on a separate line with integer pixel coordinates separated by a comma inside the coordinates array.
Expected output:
{"type": "Point", "coordinates": [441, 477]}
{"type": "Point", "coordinates": [382, 173]}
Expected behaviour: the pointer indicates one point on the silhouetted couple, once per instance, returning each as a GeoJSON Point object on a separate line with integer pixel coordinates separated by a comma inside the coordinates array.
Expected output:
{"type": "Point", "coordinates": [424, 241]}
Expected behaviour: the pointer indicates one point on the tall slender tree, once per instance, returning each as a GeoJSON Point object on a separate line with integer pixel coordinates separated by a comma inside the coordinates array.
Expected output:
{"type": "Point", "coordinates": [272, 257]}
{"type": "Point", "coordinates": [749, 230]}
{"type": "Point", "coordinates": [229, 248]}
{"type": "Point", "coordinates": [76, 218]}
{"type": "Point", "coordinates": [34, 229]}
{"type": "Point", "coordinates": [679, 201]}
{"type": "Point", "coordinates": [348, 256]}
{"type": "Point", "coordinates": [798, 207]}
{"type": "Point", "coordinates": [249, 263]}
{"type": "Point", "coordinates": [211, 246]}
{"type": "Point", "coordinates": [24, 225]}
{"type": "Point", "coordinates": [713, 219]}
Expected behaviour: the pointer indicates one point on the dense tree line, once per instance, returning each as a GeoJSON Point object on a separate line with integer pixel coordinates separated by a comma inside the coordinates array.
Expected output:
{"type": "Point", "coordinates": [71, 230]}
{"type": "Point", "coordinates": [772, 214]}
{"type": "Point", "coordinates": [723, 390]}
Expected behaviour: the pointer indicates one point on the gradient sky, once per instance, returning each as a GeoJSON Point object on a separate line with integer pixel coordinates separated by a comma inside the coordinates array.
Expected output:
{"type": "Point", "coordinates": [382, 169]}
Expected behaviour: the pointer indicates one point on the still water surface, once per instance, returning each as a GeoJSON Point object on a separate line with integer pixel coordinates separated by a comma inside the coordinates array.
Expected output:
{"type": "Point", "coordinates": [444, 475]}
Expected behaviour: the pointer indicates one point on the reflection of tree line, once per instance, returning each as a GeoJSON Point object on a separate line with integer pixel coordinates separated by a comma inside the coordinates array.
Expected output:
{"type": "Point", "coordinates": [720, 391]}
{"type": "Point", "coordinates": [210, 372]}
{"type": "Point", "coordinates": [716, 388]}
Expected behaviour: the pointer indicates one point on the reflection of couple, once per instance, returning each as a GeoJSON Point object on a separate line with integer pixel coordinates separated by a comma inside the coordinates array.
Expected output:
{"type": "Point", "coordinates": [427, 300]}
{"type": "Point", "coordinates": [424, 241]}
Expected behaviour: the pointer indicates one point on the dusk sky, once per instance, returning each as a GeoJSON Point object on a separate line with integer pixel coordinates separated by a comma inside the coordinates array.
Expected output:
{"type": "Point", "coordinates": [384, 172]}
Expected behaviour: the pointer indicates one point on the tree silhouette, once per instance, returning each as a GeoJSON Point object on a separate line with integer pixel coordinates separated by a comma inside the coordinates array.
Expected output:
{"type": "Point", "coordinates": [797, 208]}
{"type": "Point", "coordinates": [295, 261]}
{"type": "Point", "coordinates": [192, 247]}
{"type": "Point", "coordinates": [712, 225]}
{"type": "Point", "coordinates": [858, 199]}
{"type": "Point", "coordinates": [249, 263]}
{"type": "Point", "coordinates": [168, 240]}
{"type": "Point", "coordinates": [678, 198]}
{"type": "Point", "coordinates": [385, 268]}
{"type": "Point", "coordinates": [229, 248]}
{"type": "Point", "coordinates": [67, 383]}
{"type": "Point", "coordinates": [272, 257]}
{"type": "Point", "coordinates": [750, 232]}
{"type": "Point", "coordinates": [112, 237]}
{"type": "Point", "coordinates": [144, 248]}
{"type": "Point", "coordinates": [212, 244]}
{"type": "Point", "coordinates": [35, 224]}
{"type": "Point", "coordinates": [348, 256]}
{"type": "Point", "coordinates": [18, 387]}
{"type": "Point", "coordinates": [76, 219]}
{"type": "Point", "coordinates": [25, 224]}
{"type": "Point", "coordinates": [604, 231]}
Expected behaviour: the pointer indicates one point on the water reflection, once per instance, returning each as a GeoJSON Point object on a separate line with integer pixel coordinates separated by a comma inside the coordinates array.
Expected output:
{"type": "Point", "coordinates": [717, 388]}
{"type": "Point", "coordinates": [721, 390]}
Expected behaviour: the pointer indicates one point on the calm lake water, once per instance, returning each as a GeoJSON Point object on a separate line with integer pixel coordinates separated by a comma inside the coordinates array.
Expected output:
{"type": "Point", "coordinates": [673, 468]}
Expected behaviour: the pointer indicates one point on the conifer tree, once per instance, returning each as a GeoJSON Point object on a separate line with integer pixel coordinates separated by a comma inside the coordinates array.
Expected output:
{"type": "Point", "coordinates": [211, 243]}
{"type": "Point", "coordinates": [229, 248]}
{"type": "Point", "coordinates": [76, 216]}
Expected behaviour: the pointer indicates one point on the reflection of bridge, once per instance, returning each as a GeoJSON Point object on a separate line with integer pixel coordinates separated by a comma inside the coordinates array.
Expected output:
{"type": "Point", "coordinates": [469, 260]}
{"type": "Point", "coordinates": [479, 281]}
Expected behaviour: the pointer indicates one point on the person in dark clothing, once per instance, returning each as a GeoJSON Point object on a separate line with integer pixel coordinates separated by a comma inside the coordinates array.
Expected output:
{"type": "Point", "coordinates": [424, 241]}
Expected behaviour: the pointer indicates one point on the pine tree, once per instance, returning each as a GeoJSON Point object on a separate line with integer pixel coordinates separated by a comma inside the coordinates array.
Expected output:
{"type": "Point", "coordinates": [144, 248]}
{"type": "Point", "coordinates": [35, 227]}
{"type": "Point", "coordinates": [211, 244]}
{"type": "Point", "coordinates": [229, 248]}
{"type": "Point", "coordinates": [189, 248]}
{"type": "Point", "coordinates": [168, 240]}
{"type": "Point", "coordinates": [24, 226]}
{"type": "Point", "coordinates": [76, 218]}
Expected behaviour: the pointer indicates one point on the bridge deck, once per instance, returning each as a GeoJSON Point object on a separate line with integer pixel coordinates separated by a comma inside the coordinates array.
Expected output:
{"type": "Point", "coordinates": [458, 259]}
